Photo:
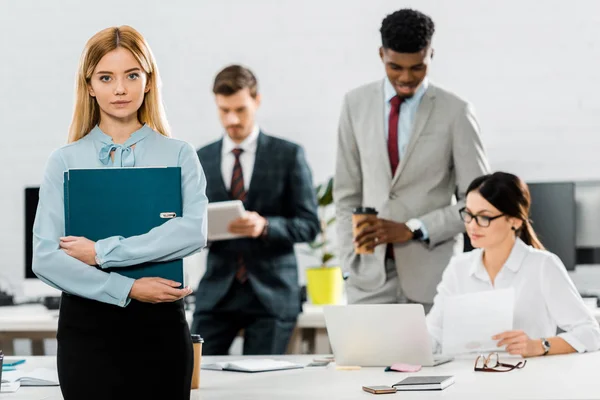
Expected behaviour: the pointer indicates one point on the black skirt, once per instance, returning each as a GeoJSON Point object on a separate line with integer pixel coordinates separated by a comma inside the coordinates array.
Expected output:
{"type": "Point", "coordinates": [142, 351]}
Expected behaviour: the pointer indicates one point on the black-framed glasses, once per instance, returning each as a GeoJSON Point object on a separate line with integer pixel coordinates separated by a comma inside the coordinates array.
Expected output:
{"type": "Point", "coordinates": [491, 363]}
{"type": "Point", "coordinates": [482, 220]}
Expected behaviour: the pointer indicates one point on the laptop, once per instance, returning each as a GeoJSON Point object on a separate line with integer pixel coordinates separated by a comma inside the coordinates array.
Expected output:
{"type": "Point", "coordinates": [379, 335]}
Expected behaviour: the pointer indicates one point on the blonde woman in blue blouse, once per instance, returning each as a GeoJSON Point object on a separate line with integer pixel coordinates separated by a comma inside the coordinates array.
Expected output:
{"type": "Point", "coordinates": [119, 338]}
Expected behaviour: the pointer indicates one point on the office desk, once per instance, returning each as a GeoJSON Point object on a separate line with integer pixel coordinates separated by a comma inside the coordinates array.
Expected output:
{"type": "Point", "coordinates": [314, 332]}
{"type": "Point", "coordinates": [36, 322]}
{"type": "Point", "coordinates": [31, 321]}
{"type": "Point", "coordinates": [556, 377]}
{"type": "Point", "coordinates": [310, 329]}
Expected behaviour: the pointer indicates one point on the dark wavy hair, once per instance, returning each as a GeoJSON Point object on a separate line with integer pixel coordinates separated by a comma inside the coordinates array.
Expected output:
{"type": "Point", "coordinates": [509, 194]}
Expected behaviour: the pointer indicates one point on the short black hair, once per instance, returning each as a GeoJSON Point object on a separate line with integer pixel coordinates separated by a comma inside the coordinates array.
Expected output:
{"type": "Point", "coordinates": [407, 31]}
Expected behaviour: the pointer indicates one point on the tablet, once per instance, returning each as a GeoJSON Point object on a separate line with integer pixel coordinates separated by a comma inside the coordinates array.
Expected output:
{"type": "Point", "coordinates": [220, 215]}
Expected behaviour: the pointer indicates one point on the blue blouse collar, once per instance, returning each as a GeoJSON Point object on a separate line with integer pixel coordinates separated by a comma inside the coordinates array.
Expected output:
{"type": "Point", "coordinates": [124, 155]}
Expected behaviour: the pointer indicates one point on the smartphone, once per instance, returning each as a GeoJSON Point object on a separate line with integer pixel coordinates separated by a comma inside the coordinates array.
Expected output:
{"type": "Point", "coordinates": [379, 389]}
{"type": "Point", "coordinates": [324, 359]}
{"type": "Point", "coordinates": [318, 364]}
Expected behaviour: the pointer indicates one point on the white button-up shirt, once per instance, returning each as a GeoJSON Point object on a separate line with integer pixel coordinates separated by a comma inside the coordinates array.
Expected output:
{"type": "Point", "coordinates": [545, 296]}
{"type": "Point", "coordinates": [247, 158]}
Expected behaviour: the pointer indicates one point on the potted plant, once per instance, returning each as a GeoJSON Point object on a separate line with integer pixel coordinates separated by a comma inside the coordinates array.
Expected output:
{"type": "Point", "coordinates": [324, 282]}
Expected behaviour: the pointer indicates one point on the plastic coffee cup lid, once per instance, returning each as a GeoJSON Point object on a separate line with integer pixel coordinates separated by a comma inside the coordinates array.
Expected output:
{"type": "Point", "coordinates": [364, 210]}
{"type": "Point", "coordinates": [197, 339]}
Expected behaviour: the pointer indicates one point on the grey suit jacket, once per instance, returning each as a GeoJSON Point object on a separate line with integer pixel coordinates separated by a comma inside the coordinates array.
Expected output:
{"type": "Point", "coordinates": [443, 156]}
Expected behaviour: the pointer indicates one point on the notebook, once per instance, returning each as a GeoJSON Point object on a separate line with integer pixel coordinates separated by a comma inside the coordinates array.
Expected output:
{"type": "Point", "coordinates": [37, 377]}
{"type": "Point", "coordinates": [9, 387]}
{"type": "Point", "coordinates": [252, 365]}
{"type": "Point", "coordinates": [104, 202]}
{"type": "Point", "coordinates": [424, 383]}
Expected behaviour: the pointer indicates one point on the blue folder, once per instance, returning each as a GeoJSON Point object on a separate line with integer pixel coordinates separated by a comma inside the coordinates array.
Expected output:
{"type": "Point", "coordinates": [105, 202]}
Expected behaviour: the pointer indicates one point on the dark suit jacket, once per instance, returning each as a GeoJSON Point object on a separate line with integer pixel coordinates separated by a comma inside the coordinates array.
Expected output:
{"type": "Point", "coordinates": [281, 190]}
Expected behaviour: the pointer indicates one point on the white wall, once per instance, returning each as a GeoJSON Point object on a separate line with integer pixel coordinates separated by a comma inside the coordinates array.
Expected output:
{"type": "Point", "coordinates": [529, 67]}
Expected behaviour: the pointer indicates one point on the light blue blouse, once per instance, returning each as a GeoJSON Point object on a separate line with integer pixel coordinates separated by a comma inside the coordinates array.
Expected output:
{"type": "Point", "coordinates": [176, 238]}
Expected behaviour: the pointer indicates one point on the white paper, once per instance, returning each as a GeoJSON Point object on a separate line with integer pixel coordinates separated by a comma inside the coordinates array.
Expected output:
{"type": "Point", "coordinates": [220, 215]}
{"type": "Point", "coordinates": [9, 387]}
{"type": "Point", "coordinates": [252, 365]}
{"type": "Point", "coordinates": [470, 321]}
{"type": "Point", "coordinates": [37, 377]}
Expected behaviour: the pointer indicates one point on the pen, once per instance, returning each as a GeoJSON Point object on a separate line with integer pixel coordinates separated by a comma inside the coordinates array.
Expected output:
{"type": "Point", "coordinates": [12, 363]}
{"type": "Point", "coordinates": [347, 367]}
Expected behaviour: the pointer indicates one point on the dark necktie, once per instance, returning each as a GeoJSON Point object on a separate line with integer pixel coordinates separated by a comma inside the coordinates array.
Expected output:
{"type": "Point", "coordinates": [393, 133]}
{"type": "Point", "coordinates": [238, 192]}
{"type": "Point", "coordinates": [393, 152]}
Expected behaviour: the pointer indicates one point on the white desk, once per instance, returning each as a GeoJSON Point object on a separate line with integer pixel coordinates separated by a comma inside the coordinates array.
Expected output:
{"type": "Point", "coordinates": [37, 323]}
{"type": "Point", "coordinates": [556, 377]}
{"type": "Point", "coordinates": [312, 321]}
{"type": "Point", "coordinates": [310, 329]}
{"type": "Point", "coordinates": [32, 321]}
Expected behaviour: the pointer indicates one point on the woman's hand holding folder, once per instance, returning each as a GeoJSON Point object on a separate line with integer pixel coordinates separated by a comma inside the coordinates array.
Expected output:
{"type": "Point", "coordinates": [147, 290]}
{"type": "Point", "coordinates": [80, 248]}
{"type": "Point", "coordinates": [157, 290]}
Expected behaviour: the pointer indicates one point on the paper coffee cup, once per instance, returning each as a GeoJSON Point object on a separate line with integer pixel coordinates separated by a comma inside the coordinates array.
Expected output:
{"type": "Point", "coordinates": [197, 343]}
{"type": "Point", "coordinates": [359, 215]}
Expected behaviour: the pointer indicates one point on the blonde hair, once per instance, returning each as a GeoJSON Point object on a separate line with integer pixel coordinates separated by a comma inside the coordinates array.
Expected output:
{"type": "Point", "coordinates": [86, 113]}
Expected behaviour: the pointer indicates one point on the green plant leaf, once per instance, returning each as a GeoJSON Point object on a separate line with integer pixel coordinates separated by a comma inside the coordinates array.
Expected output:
{"type": "Point", "coordinates": [330, 221]}
{"type": "Point", "coordinates": [318, 190]}
{"type": "Point", "coordinates": [327, 257]}
{"type": "Point", "coordinates": [318, 245]}
{"type": "Point", "coordinates": [327, 196]}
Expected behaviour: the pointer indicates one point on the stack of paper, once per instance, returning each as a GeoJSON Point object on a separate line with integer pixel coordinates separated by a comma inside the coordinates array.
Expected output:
{"type": "Point", "coordinates": [252, 365]}
{"type": "Point", "coordinates": [470, 320]}
{"type": "Point", "coordinates": [37, 377]}
{"type": "Point", "coordinates": [9, 387]}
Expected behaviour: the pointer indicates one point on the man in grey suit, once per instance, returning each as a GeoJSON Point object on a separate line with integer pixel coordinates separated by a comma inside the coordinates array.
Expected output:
{"type": "Point", "coordinates": [409, 149]}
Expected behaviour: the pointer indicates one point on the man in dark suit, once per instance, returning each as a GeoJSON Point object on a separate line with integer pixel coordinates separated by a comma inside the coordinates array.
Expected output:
{"type": "Point", "coordinates": [252, 283]}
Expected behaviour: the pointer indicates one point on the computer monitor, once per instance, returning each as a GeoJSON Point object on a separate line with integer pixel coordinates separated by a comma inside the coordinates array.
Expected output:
{"type": "Point", "coordinates": [553, 218]}
{"type": "Point", "coordinates": [587, 195]}
{"type": "Point", "coordinates": [31, 203]}
{"type": "Point", "coordinates": [33, 287]}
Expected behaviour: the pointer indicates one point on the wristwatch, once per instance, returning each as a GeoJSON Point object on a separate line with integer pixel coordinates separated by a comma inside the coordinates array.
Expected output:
{"type": "Point", "coordinates": [417, 233]}
{"type": "Point", "coordinates": [545, 345]}
{"type": "Point", "coordinates": [265, 230]}
{"type": "Point", "coordinates": [415, 227]}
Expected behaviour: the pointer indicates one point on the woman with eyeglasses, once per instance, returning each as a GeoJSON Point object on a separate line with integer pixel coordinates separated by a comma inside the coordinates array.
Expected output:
{"type": "Point", "coordinates": [508, 254]}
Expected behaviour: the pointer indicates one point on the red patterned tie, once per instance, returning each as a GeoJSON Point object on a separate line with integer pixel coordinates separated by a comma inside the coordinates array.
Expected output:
{"type": "Point", "coordinates": [393, 152]}
{"type": "Point", "coordinates": [393, 133]}
{"type": "Point", "coordinates": [238, 192]}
